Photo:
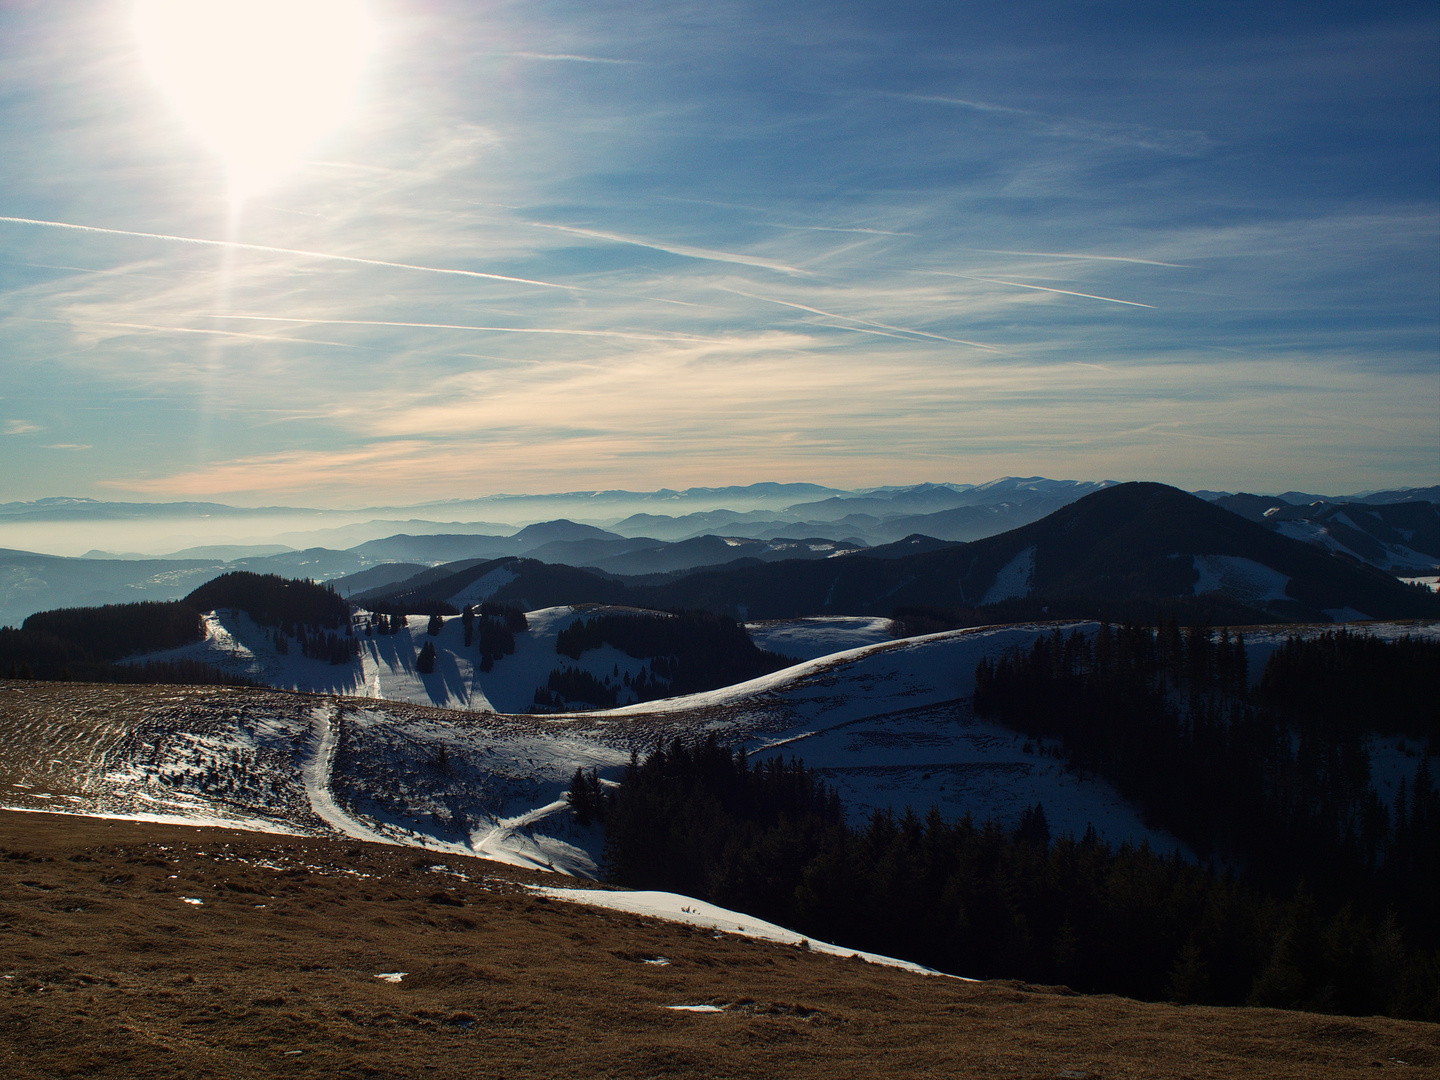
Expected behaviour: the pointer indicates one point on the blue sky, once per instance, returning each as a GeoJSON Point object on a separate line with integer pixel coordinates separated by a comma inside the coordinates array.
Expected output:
{"type": "Point", "coordinates": [848, 243]}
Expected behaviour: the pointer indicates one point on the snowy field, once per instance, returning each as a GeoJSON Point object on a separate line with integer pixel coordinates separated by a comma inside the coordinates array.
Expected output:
{"type": "Point", "coordinates": [887, 723]}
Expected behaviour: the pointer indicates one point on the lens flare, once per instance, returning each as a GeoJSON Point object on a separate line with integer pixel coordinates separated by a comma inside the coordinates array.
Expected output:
{"type": "Point", "coordinates": [260, 81]}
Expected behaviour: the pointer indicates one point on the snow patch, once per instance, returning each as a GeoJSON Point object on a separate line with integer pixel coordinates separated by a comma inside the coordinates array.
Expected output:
{"type": "Point", "coordinates": [1015, 579]}
{"type": "Point", "coordinates": [672, 907]}
{"type": "Point", "coordinates": [482, 588]}
{"type": "Point", "coordinates": [516, 842]}
{"type": "Point", "coordinates": [1346, 614]}
{"type": "Point", "coordinates": [1245, 579]}
{"type": "Point", "coordinates": [807, 639]}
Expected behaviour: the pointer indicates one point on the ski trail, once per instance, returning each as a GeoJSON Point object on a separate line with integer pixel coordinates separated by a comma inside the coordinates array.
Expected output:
{"type": "Point", "coordinates": [316, 771]}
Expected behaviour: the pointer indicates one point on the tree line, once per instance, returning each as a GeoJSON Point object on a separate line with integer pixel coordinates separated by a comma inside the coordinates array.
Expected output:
{"type": "Point", "coordinates": [770, 838]}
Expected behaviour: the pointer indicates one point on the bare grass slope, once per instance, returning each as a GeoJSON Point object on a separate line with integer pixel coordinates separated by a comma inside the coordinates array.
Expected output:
{"type": "Point", "coordinates": [136, 951]}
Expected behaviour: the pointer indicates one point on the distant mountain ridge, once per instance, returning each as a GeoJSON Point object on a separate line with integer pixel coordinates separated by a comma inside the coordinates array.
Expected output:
{"type": "Point", "coordinates": [1122, 552]}
{"type": "Point", "coordinates": [1394, 536]}
{"type": "Point", "coordinates": [911, 498]}
{"type": "Point", "coordinates": [1401, 537]}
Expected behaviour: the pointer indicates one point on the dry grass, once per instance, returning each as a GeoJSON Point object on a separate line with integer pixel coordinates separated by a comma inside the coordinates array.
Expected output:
{"type": "Point", "coordinates": [105, 971]}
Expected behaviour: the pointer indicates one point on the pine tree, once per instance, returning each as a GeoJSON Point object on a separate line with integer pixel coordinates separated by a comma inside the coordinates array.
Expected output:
{"type": "Point", "coordinates": [581, 798]}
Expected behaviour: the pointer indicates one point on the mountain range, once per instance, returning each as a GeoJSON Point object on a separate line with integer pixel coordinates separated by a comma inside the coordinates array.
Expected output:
{"type": "Point", "coordinates": [807, 522]}
{"type": "Point", "coordinates": [1121, 552]}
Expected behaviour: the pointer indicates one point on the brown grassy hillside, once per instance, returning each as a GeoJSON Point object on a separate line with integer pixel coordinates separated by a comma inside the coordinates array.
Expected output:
{"type": "Point", "coordinates": [107, 971]}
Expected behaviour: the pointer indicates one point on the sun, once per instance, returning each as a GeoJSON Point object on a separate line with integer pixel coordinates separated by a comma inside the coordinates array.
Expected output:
{"type": "Point", "coordinates": [260, 81]}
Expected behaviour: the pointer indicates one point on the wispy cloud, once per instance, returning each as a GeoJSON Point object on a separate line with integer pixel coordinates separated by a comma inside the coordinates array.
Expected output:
{"type": "Point", "coordinates": [21, 427]}
{"type": "Point", "coordinates": [67, 446]}
{"type": "Point", "coordinates": [463, 288]}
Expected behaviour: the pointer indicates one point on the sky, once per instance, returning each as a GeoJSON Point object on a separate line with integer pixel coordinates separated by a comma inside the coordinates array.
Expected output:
{"type": "Point", "coordinates": [423, 249]}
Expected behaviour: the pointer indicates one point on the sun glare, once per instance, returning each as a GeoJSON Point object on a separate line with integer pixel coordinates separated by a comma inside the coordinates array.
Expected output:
{"type": "Point", "coordinates": [260, 81]}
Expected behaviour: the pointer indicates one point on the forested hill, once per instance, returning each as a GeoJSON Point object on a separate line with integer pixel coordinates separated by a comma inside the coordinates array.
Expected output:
{"type": "Point", "coordinates": [1125, 552]}
{"type": "Point", "coordinates": [85, 643]}
{"type": "Point", "coordinates": [271, 600]}
{"type": "Point", "coordinates": [1310, 892]}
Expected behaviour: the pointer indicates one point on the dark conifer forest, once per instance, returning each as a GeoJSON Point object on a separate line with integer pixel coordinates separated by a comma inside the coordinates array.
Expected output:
{"type": "Point", "coordinates": [271, 600]}
{"type": "Point", "coordinates": [1275, 779]}
{"type": "Point", "coordinates": [497, 624]}
{"type": "Point", "coordinates": [1309, 892]}
{"type": "Point", "coordinates": [689, 651]}
{"type": "Point", "coordinates": [88, 643]}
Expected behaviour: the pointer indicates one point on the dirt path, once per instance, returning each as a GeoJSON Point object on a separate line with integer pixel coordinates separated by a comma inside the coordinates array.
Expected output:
{"type": "Point", "coordinates": [325, 730]}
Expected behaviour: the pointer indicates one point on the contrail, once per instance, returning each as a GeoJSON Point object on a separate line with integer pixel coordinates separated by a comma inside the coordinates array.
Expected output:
{"type": "Point", "coordinates": [1066, 255]}
{"type": "Point", "coordinates": [570, 56]}
{"type": "Point", "coordinates": [76, 269]}
{"type": "Point", "coordinates": [235, 244]}
{"type": "Point", "coordinates": [834, 228]}
{"type": "Point", "coordinates": [227, 333]}
{"type": "Point", "coordinates": [964, 103]}
{"type": "Point", "coordinates": [451, 326]}
{"type": "Point", "coordinates": [865, 330]}
{"type": "Point", "coordinates": [676, 249]}
{"type": "Point", "coordinates": [867, 322]}
{"type": "Point", "coordinates": [1062, 292]}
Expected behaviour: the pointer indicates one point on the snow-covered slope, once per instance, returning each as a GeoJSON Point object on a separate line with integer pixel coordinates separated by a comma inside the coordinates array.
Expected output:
{"type": "Point", "coordinates": [1245, 579]}
{"type": "Point", "coordinates": [1394, 557]}
{"type": "Point", "coordinates": [888, 724]}
{"type": "Point", "coordinates": [386, 668]}
{"type": "Point", "coordinates": [806, 639]}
